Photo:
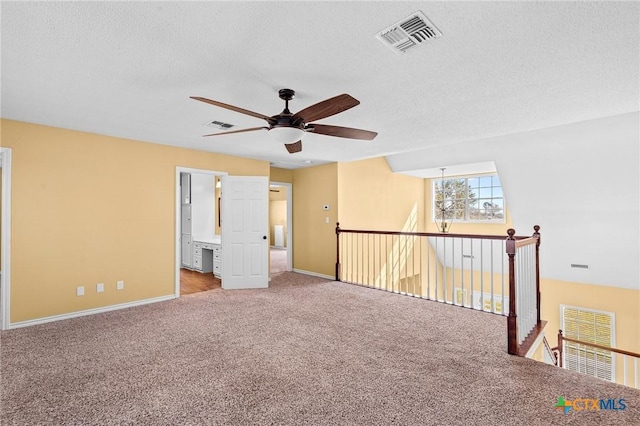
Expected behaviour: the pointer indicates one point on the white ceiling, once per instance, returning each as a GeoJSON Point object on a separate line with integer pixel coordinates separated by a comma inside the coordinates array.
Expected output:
{"type": "Point", "coordinates": [127, 69]}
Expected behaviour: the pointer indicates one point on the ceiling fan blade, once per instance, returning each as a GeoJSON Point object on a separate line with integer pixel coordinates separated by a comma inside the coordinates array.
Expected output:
{"type": "Point", "coordinates": [293, 147]}
{"type": "Point", "coordinates": [326, 108]}
{"type": "Point", "coordinates": [232, 108]}
{"type": "Point", "coordinates": [253, 129]}
{"type": "Point", "coordinates": [341, 132]}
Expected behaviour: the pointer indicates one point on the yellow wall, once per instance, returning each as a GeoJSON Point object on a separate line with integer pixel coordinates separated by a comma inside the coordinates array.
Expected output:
{"type": "Point", "coordinates": [91, 209]}
{"type": "Point", "coordinates": [281, 175]}
{"type": "Point", "coordinates": [314, 241]}
{"type": "Point", "coordinates": [625, 303]}
{"type": "Point", "coordinates": [278, 213]}
{"type": "Point", "coordinates": [372, 197]}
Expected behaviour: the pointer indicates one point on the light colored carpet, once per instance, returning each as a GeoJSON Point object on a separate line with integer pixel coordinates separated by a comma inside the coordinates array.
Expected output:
{"type": "Point", "coordinates": [278, 259]}
{"type": "Point", "coordinates": [304, 351]}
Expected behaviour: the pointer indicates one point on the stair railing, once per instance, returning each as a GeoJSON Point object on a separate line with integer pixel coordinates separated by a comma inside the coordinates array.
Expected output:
{"type": "Point", "coordinates": [629, 373]}
{"type": "Point", "coordinates": [523, 322]}
{"type": "Point", "coordinates": [482, 272]}
{"type": "Point", "coordinates": [551, 353]}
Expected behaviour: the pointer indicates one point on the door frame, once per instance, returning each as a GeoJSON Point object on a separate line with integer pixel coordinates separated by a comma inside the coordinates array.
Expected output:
{"type": "Point", "coordinates": [289, 187]}
{"type": "Point", "coordinates": [5, 224]}
{"type": "Point", "coordinates": [178, 213]}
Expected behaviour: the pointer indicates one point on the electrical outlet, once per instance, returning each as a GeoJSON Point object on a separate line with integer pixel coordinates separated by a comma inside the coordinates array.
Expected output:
{"type": "Point", "coordinates": [99, 287]}
{"type": "Point", "coordinates": [120, 285]}
{"type": "Point", "coordinates": [80, 291]}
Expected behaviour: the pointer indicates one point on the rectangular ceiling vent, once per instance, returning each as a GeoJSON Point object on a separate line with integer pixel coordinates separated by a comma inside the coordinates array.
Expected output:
{"type": "Point", "coordinates": [219, 125]}
{"type": "Point", "coordinates": [412, 31]}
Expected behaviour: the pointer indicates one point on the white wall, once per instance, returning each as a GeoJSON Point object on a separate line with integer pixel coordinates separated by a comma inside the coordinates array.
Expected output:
{"type": "Point", "coordinates": [580, 182]}
{"type": "Point", "coordinates": [202, 206]}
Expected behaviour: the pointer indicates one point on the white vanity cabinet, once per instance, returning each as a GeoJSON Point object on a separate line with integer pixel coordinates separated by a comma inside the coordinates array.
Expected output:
{"type": "Point", "coordinates": [202, 260]}
{"type": "Point", "coordinates": [197, 191]}
{"type": "Point", "coordinates": [187, 258]}
{"type": "Point", "coordinates": [217, 260]}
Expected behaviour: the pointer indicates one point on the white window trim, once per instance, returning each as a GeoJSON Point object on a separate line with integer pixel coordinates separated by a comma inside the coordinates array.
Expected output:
{"type": "Point", "coordinates": [612, 315]}
{"type": "Point", "coordinates": [503, 299]}
{"type": "Point", "coordinates": [435, 181]}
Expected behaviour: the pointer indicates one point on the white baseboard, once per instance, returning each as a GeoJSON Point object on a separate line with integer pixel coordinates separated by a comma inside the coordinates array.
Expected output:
{"type": "Point", "coordinates": [314, 274]}
{"type": "Point", "coordinates": [94, 311]}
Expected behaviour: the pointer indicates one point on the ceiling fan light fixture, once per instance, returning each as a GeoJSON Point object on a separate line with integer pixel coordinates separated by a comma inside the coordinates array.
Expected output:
{"type": "Point", "coordinates": [285, 134]}
{"type": "Point", "coordinates": [287, 128]}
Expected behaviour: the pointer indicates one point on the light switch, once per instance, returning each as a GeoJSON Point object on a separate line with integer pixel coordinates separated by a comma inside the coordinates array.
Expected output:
{"type": "Point", "coordinates": [326, 219]}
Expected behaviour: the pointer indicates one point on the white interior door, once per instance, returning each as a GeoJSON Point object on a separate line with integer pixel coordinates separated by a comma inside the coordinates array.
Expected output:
{"type": "Point", "coordinates": [245, 226]}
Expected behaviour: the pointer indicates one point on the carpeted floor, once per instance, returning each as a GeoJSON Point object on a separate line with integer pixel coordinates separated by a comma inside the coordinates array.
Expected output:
{"type": "Point", "coordinates": [304, 351]}
{"type": "Point", "coordinates": [278, 260]}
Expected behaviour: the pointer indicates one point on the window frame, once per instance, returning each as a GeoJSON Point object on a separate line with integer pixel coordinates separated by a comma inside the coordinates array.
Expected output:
{"type": "Point", "coordinates": [437, 181]}
{"type": "Point", "coordinates": [612, 327]}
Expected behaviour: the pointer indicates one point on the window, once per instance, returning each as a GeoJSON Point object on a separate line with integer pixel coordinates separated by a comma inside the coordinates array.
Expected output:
{"type": "Point", "coordinates": [591, 327]}
{"type": "Point", "coordinates": [491, 302]}
{"type": "Point", "coordinates": [472, 198]}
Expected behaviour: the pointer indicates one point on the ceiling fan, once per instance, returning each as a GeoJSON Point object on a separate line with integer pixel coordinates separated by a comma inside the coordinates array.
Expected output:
{"type": "Point", "coordinates": [288, 128]}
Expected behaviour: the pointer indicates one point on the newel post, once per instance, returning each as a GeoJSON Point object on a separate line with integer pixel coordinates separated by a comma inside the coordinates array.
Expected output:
{"type": "Point", "coordinates": [512, 325]}
{"type": "Point", "coordinates": [337, 251]}
{"type": "Point", "coordinates": [536, 234]}
{"type": "Point", "coordinates": [560, 348]}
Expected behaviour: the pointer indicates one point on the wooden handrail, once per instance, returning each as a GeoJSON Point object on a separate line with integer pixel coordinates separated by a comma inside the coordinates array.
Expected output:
{"type": "Point", "coordinates": [425, 234]}
{"type": "Point", "coordinates": [606, 348]}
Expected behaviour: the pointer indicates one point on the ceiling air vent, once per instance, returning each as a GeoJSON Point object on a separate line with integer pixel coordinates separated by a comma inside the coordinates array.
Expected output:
{"type": "Point", "coordinates": [219, 125]}
{"type": "Point", "coordinates": [412, 31]}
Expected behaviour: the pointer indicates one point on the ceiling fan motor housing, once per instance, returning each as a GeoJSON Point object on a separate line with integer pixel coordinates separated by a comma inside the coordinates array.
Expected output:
{"type": "Point", "coordinates": [284, 119]}
{"type": "Point", "coordinates": [286, 94]}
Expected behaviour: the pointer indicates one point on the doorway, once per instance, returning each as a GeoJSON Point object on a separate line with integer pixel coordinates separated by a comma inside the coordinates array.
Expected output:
{"type": "Point", "coordinates": [280, 227]}
{"type": "Point", "coordinates": [197, 229]}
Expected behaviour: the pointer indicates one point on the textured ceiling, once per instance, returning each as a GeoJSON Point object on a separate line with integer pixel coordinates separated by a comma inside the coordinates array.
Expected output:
{"type": "Point", "coordinates": [127, 69]}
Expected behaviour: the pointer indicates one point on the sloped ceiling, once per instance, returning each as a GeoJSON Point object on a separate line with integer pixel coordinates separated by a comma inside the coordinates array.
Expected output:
{"type": "Point", "coordinates": [127, 69]}
{"type": "Point", "coordinates": [579, 182]}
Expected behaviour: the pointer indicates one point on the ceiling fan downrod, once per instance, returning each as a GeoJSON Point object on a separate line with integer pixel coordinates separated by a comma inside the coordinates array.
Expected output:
{"type": "Point", "coordinates": [286, 95]}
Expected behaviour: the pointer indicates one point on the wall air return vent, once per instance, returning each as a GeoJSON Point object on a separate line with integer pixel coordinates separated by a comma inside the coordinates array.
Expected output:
{"type": "Point", "coordinates": [579, 266]}
{"type": "Point", "coordinates": [219, 125]}
{"type": "Point", "coordinates": [412, 31]}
